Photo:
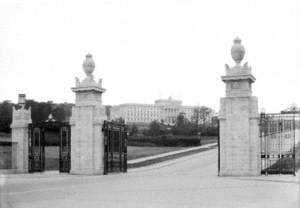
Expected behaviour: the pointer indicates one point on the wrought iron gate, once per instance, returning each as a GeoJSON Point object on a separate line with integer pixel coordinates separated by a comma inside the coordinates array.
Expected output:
{"type": "Point", "coordinates": [36, 144]}
{"type": "Point", "coordinates": [278, 133]}
{"type": "Point", "coordinates": [115, 147]}
{"type": "Point", "coordinates": [36, 160]}
{"type": "Point", "coordinates": [65, 149]}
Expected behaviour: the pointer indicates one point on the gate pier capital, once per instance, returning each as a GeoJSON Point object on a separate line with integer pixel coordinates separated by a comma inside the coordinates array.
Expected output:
{"type": "Point", "coordinates": [88, 114]}
{"type": "Point", "coordinates": [239, 118]}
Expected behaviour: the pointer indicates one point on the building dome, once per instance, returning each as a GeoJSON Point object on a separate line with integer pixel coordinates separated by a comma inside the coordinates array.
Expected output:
{"type": "Point", "coordinates": [88, 65]}
{"type": "Point", "coordinates": [237, 51]}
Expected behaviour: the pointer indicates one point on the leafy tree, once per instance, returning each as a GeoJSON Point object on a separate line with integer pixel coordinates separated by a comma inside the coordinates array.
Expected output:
{"type": "Point", "coordinates": [202, 118]}
{"type": "Point", "coordinates": [133, 129]}
{"type": "Point", "coordinates": [67, 107]}
{"type": "Point", "coordinates": [183, 126]}
{"type": "Point", "coordinates": [58, 114]}
{"type": "Point", "coordinates": [202, 114]}
{"type": "Point", "coordinates": [5, 116]}
{"type": "Point", "coordinates": [156, 128]}
{"type": "Point", "coordinates": [205, 114]}
{"type": "Point", "coordinates": [39, 112]}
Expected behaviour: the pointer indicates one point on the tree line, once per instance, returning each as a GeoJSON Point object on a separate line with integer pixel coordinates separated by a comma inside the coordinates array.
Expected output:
{"type": "Point", "coordinates": [39, 112]}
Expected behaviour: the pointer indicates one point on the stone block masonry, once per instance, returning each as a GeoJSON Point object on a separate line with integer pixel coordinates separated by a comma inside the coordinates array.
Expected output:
{"type": "Point", "coordinates": [19, 132]}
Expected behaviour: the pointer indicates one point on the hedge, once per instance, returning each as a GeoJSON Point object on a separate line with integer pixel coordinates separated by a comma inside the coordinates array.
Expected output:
{"type": "Point", "coordinates": [169, 140]}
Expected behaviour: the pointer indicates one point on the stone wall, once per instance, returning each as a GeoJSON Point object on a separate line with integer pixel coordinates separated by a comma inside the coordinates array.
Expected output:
{"type": "Point", "coordinates": [7, 157]}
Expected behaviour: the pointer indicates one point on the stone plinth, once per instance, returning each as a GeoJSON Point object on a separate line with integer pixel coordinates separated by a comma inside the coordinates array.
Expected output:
{"type": "Point", "coordinates": [239, 125]}
{"type": "Point", "coordinates": [19, 133]}
{"type": "Point", "coordinates": [88, 114]}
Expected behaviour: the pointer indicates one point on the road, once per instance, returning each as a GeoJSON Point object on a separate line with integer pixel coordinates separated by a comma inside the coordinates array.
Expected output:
{"type": "Point", "coordinates": [190, 181]}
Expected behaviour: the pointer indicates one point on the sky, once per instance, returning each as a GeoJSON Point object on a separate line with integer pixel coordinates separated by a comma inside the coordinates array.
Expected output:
{"type": "Point", "coordinates": [145, 50]}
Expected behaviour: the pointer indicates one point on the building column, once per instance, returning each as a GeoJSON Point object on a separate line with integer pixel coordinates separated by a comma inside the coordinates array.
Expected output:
{"type": "Point", "coordinates": [19, 133]}
{"type": "Point", "coordinates": [239, 120]}
{"type": "Point", "coordinates": [88, 114]}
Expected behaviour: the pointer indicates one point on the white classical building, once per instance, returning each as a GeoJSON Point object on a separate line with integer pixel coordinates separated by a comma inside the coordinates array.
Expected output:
{"type": "Point", "coordinates": [165, 110]}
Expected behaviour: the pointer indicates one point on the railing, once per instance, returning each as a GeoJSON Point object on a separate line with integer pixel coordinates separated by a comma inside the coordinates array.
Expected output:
{"type": "Point", "coordinates": [115, 147]}
{"type": "Point", "coordinates": [277, 136]}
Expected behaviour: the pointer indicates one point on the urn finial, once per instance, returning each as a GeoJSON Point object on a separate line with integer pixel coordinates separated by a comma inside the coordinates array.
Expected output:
{"type": "Point", "coordinates": [237, 50]}
{"type": "Point", "coordinates": [88, 65]}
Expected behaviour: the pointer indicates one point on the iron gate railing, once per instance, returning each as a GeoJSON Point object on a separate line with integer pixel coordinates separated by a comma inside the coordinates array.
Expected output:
{"type": "Point", "coordinates": [115, 147]}
{"type": "Point", "coordinates": [36, 145]}
{"type": "Point", "coordinates": [277, 135]}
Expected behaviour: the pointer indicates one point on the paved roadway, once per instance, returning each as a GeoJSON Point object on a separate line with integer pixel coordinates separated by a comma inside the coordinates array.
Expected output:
{"type": "Point", "coordinates": [186, 182]}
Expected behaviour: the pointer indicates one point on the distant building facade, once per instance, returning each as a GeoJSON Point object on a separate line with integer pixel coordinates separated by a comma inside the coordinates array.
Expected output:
{"type": "Point", "coordinates": [163, 110]}
{"type": "Point", "coordinates": [293, 109]}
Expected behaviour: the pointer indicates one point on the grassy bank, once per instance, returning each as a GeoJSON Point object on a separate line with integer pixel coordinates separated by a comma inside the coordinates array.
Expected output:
{"type": "Point", "coordinates": [170, 157]}
{"type": "Point", "coordinates": [134, 152]}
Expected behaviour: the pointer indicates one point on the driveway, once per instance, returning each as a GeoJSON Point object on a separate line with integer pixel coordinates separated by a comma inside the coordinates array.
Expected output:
{"type": "Point", "coordinates": [190, 181]}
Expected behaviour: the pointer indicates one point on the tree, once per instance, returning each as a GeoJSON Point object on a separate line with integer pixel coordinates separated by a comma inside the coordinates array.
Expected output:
{"type": "Point", "coordinates": [5, 116]}
{"type": "Point", "coordinates": [156, 128]}
{"type": "Point", "coordinates": [183, 126]}
{"type": "Point", "coordinates": [201, 117]}
{"type": "Point", "coordinates": [134, 129]}
{"type": "Point", "coordinates": [58, 114]}
{"type": "Point", "coordinates": [181, 120]}
{"type": "Point", "coordinates": [39, 112]}
{"type": "Point", "coordinates": [205, 114]}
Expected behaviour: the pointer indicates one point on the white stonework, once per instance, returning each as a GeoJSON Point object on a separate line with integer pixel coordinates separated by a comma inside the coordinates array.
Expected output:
{"type": "Point", "coordinates": [165, 110]}
{"type": "Point", "coordinates": [239, 121]}
{"type": "Point", "coordinates": [88, 114]}
{"type": "Point", "coordinates": [19, 133]}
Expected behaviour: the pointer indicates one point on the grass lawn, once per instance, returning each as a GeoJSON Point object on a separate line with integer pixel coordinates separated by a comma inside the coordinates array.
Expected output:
{"type": "Point", "coordinates": [170, 157]}
{"type": "Point", "coordinates": [51, 157]}
{"type": "Point", "coordinates": [134, 152]}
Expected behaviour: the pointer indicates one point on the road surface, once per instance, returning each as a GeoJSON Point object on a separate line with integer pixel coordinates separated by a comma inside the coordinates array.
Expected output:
{"type": "Point", "coordinates": [190, 181]}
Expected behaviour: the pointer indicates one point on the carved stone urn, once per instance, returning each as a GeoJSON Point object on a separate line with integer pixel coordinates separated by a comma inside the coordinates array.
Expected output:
{"type": "Point", "coordinates": [237, 51]}
{"type": "Point", "coordinates": [88, 65]}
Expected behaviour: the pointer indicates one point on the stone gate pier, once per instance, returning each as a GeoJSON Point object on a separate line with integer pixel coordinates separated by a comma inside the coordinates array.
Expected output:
{"type": "Point", "coordinates": [19, 129]}
{"type": "Point", "coordinates": [88, 115]}
{"type": "Point", "coordinates": [239, 120]}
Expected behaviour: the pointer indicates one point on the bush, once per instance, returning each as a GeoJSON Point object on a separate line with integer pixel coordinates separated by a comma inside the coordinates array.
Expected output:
{"type": "Point", "coordinates": [210, 131]}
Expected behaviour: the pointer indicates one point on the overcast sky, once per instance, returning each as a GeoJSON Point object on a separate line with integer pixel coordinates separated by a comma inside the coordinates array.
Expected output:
{"type": "Point", "coordinates": [145, 50]}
